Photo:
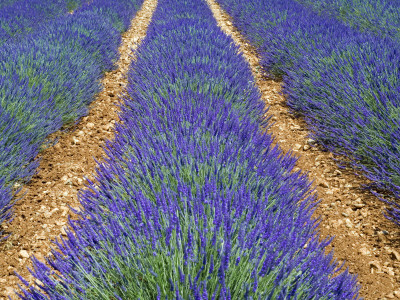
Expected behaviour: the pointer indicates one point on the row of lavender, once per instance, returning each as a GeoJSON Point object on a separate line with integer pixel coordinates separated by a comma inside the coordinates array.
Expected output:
{"type": "Point", "coordinates": [346, 82]}
{"type": "Point", "coordinates": [19, 17]}
{"type": "Point", "coordinates": [193, 201]}
{"type": "Point", "coordinates": [48, 78]}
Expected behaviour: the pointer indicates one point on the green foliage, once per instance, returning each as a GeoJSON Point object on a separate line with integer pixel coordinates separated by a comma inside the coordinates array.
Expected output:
{"type": "Point", "coordinates": [73, 4]}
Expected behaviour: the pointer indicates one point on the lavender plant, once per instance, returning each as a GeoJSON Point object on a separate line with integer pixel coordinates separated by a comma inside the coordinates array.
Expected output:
{"type": "Point", "coordinates": [72, 5]}
{"type": "Point", "coordinates": [378, 16]}
{"type": "Point", "coordinates": [118, 12]}
{"type": "Point", "coordinates": [193, 201]}
{"type": "Point", "coordinates": [20, 17]}
{"type": "Point", "coordinates": [6, 3]}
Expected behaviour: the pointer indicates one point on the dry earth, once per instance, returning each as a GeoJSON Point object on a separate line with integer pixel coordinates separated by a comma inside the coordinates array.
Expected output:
{"type": "Point", "coordinates": [364, 238]}
{"type": "Point", "coordinates": [42, 213]}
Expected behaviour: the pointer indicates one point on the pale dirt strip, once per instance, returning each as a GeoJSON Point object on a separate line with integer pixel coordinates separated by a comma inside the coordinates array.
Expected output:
{"type": "Point", "coordinates": [367, 241]}
{"type": "Point", "coordinates": [41, 215]}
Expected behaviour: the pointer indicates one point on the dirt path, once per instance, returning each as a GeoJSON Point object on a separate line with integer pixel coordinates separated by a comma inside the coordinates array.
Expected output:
{"type": "Point", "coordinates": [42, 213]}
{"type": "Point", "coordinates": [368, 242]}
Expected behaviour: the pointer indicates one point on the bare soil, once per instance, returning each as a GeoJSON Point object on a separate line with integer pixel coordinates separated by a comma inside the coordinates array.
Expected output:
{"type": "Point", "coordinates": [363, 237]}
{"type": "Point", "coordinates": [42, 213]}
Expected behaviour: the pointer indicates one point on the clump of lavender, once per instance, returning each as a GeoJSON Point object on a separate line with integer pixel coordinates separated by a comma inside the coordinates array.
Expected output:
{"type": "Point", "coordinates": [18, 18]}
{"type": "Point", "coordinates": [380, 17]}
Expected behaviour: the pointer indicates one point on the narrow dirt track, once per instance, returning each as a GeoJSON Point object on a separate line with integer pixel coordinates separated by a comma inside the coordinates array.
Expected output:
{"type": "Point", "coordinates": [42, 213]}
{"type": "Point", "coordinates": [364, 238]}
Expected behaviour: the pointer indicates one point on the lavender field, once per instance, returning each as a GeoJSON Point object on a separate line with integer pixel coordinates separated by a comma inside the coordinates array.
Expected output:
{"type": "Point", "coordinates": [194, 198]}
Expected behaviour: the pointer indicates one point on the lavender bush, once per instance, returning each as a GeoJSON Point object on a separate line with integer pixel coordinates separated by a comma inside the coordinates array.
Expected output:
{"type": "Point", "coordinates": [343, 80]}
{"type": "Point", "coordinates": [119, 13]}
{"type": "Point", "coordinates": [6, 3]}
{"type": "Point", "coordinates": [378, 16]}
{"type": "Point", "coordinates": [22, 16]}
{"type": "Point", "coordinates": [193, 201]}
